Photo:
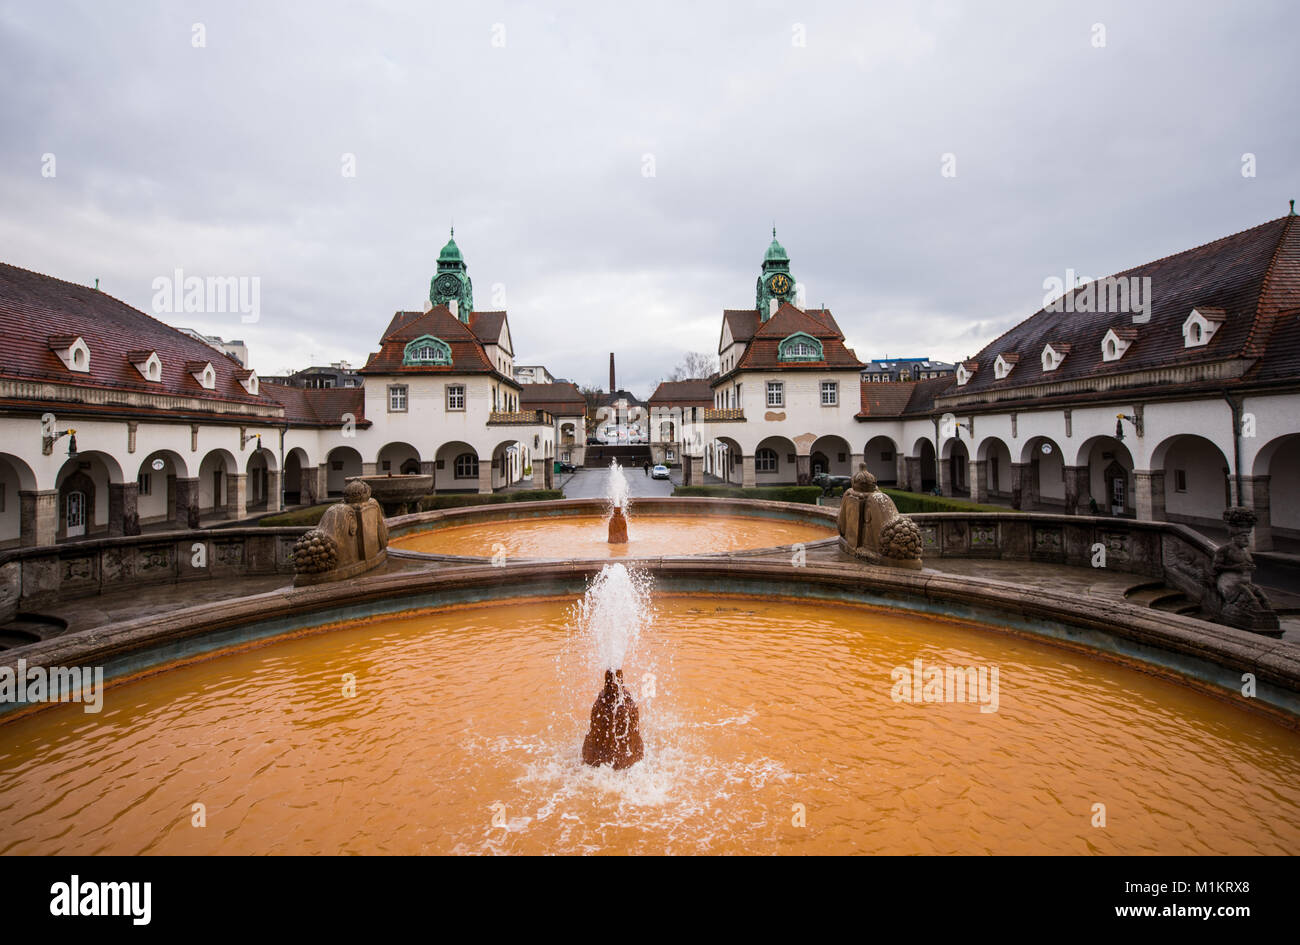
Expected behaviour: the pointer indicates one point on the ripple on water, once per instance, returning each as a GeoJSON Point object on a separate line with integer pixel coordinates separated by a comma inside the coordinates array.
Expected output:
{"type": "Point", "coordinates": [465, 736]}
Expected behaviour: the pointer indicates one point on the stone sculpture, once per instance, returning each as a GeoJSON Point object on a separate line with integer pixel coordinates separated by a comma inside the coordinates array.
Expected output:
{"type": "Point", "coordinates": [1233, 597]}
{"type": "Point", "coordinates": [618, 527]}
{"type": "Point", "coordinates": [351, 538]}
{"type": "Point", "coordinates": [871, 527]}
{"type": "Point", "coordinates": [615, 734]}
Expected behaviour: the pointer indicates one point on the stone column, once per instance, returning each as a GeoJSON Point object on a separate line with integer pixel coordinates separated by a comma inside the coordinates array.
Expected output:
{"type": "Point", "coordinates": [856, 460]}
{"type": "Point", "coordinates": [1033, 490]}
{"type": "Point", "coordinates": [548, 478]}
{"type": "Point", "coordinates": [1150, 485]}
{"type": "Point", "coordinates": [236, 495]}
{"type": "Point", "coordinates": [485, 477]}
{"type": "Point", "coordinates": [979, 476]}
{"type": "Point", "coordinates": [693, 471]}
{"type": "Point", "coordinates": [1020, 474]}
{"type": "Point", "coordinates": [38, 522]}
{"type": "Point", "coordinates": [322, 484]}
{"type": "Point", "coordinates": [371, 469]}
{"type": "Point", "coordinates": [122, 504]}
{"type": "Point", "coordinates": [943, 469]}
{"type": "Point", "coordinates": [1076, 490]}
{"type": "Point", "coordinates": [274, 498]}
{"type": "Point", "coordinates": [803, 470]}
{"type": "Point", "coordinates": [901, 472]}
{"type": "Point", "coordinates": [748, 477]}
{"type": "Point", "coordinates": [1255, 497]}
{"type": "Point", "coordinates": [187, 494]}
{"type": "Point", "coordinates": [912, 472]}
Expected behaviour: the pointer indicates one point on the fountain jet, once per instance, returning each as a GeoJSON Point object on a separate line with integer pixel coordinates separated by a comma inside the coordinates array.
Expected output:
{"type": "Point", "coordinates": [616, 491]}
{"type": "Point", "coordinates": [613, 612]}
{"type": "Point", "coordinates": [615, 734]}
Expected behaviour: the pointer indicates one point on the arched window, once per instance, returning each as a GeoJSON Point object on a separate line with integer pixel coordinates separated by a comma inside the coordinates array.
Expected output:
{"type": "Point", "coordinates": [799, 347]}
{"type": "Point", "coordinates": [765, 460]}
{"type": "Point", "coordinates": [466, 466]}
{"type": "Point", "coordinates": [427, 350]}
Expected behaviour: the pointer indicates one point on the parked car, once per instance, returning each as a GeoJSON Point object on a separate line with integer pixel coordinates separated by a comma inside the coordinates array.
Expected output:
{"type": "Point", "coordinates": [567, 467]}
{"type": "Point", "coordinates": [659, 472]}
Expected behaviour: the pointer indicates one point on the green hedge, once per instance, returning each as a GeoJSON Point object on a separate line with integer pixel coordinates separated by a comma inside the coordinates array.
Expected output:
{"type": "Point", "coordinates": [806, 495]}
{"type": "Point", "coordinates": [312, 514]}
{"type": "Point", "coordinates": [309, 516]}
{"type": "Point", "coordinates": [431, 502]}
{"type": "Point", "coordinates": [909, 502]}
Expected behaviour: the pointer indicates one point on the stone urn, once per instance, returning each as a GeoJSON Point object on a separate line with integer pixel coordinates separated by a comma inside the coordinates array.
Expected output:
{"type": "Point", "coordinates": [397, 494]}
{"type": "Point", "coordinates": [872, 528]}
{"type": "Point", "coordinates": [351, 538]}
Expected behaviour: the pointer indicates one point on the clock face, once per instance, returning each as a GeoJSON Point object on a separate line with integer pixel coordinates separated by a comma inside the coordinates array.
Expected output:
{"type": "Point", "coordinates": [779, 284]}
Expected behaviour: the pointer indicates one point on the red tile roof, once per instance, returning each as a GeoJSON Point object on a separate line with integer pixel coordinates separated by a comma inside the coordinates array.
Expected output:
{"type": "Point", "coordinates": [561, 399]}
{"type": "Point", "coordinates": [761, 353]}
{"type": "Point", "coordinates": [467, 354]}
{"type": "Point", "coordinates": [742, 322]}
{"type": "Point", "coordinates": [692, 393]}
{"type": "Point", "coordinates": [1251, 279]}
{"type": "Point", "coordinates": [487, 326]}
{"type": "Point", "coordinates": [319, 406]}
{"type": "Point", "coordinates": [39, 313]}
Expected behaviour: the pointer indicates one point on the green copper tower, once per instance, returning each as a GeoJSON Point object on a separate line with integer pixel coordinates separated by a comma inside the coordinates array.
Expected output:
{"type": "Point", "coordinates": [452, 281]}
{"type": "Point", "coordinates": [775, 282]}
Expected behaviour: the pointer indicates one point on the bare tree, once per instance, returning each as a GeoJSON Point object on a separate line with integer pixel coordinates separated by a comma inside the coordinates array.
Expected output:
{"type": "Point", "coordinates": [695, 366]}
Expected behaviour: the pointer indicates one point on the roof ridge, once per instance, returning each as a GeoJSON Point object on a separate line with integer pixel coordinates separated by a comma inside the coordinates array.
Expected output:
{"type": "Point", "coordinates": [189, 339]}
{"type": "Point", "coordinates": [1262, 324]}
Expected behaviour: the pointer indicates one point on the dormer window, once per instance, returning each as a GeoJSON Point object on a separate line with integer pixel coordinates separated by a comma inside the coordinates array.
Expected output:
{"type": "Point", "coordinates": [147, 363]}
{"type": "Point", "coordinates": [800, 346]}
{"type": "Point", "coordinates": [73, 351]}
{"type": "Point", "coordinates": [1201, 325]}
{"type": "Point", "coordinates": [1053, 354]}
{"type": "Point", "coordinates": [427, 351]}
{"type": "Point", "coordinates": [1116, 342]}
{"type": "Point", "coordinates": [203, 372]}
{"type": "Point", "coordinates": [965, 371]}
{"type": "Point", "coordinates": [248, 381]}
{"type": "Point", "coordinates": [1004, 365]}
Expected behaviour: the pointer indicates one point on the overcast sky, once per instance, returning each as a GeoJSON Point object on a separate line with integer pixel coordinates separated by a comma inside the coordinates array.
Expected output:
{"type": "Point", "coordinates": [614, 171]}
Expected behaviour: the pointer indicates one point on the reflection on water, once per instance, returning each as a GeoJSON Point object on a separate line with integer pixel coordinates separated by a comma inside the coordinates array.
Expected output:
{"type": "Point", "coordinates": [466, 728]}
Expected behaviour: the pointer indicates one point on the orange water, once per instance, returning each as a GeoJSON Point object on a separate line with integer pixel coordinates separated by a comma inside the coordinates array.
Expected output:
{"type": "Point", "coordinates": [587, 536]}
{"type": "Point", "coordinates": [469, 715]}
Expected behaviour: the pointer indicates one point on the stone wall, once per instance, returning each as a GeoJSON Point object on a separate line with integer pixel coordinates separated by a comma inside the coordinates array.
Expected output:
{"type": "Point", "coordinates": [1174, 553]}
{"type": "Point", "coordinates": [31, 577]}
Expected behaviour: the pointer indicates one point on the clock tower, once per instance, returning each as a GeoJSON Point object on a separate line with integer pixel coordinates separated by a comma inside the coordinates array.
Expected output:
{"type": "Point", "coordinates": [452, 282]}
{"type": "Point", "coordinates": [775, 281]}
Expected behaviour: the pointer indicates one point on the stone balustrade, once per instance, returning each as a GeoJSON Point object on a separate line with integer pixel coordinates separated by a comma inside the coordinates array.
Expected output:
{"type": "Point", "coordinates": [33, 577]}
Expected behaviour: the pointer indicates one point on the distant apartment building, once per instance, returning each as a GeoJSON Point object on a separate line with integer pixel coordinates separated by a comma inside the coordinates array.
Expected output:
{"type": "Point", "coordinates": [891, 370]}
{"type": "Point", "coordinates": [236, 348]}
{"type": "Point", "coordinates": [533, 374]}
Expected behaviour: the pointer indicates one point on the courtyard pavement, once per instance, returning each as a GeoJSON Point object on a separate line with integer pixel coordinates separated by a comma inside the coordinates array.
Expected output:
{"type": "Point", "coordinates": [590, 484]}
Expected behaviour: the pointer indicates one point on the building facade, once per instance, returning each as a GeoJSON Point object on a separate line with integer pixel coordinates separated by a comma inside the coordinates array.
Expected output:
{"type": "Point", "coordinates": [113, 421]}
{"type": "Point", "coordinates": [1166, 392]}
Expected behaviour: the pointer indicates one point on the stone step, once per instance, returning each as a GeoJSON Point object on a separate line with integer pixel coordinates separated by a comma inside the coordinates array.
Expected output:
{"type": "Point", "coordinates": [1159, 597]}
{"type": "Point", "coordinates": [24, 629]}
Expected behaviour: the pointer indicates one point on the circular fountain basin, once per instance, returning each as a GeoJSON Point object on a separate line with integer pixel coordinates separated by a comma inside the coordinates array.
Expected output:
{"type": "Point", "coordinates": [579, 529]}
{"type": "Point", "coordinates": [771, 725]}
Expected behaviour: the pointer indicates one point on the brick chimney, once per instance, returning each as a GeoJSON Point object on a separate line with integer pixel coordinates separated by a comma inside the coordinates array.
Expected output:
{"type": "Point", "coordinates": [612, 388]}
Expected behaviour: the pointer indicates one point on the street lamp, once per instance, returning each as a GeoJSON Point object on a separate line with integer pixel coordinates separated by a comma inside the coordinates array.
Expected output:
{"type": "Point", "coordinates": [1119, 424]}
